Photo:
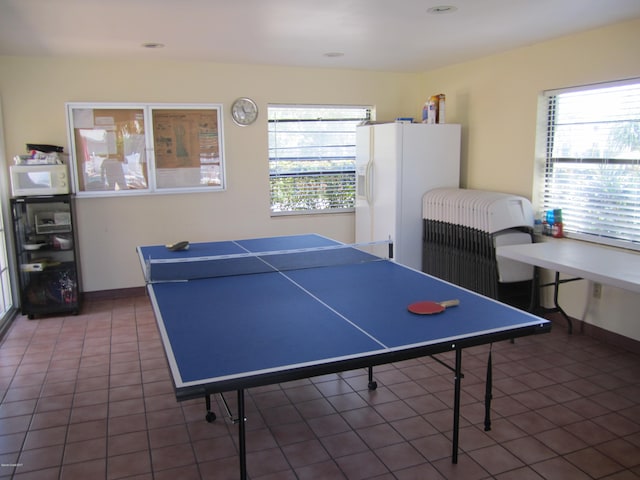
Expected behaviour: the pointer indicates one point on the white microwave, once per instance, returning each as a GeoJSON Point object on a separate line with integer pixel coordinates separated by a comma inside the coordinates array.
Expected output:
{"type": "Point", "coordinates": [39, 180]}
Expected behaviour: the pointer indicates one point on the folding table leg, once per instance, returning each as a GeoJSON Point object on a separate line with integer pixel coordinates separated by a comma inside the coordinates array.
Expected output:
{"type": "Point", "coordinates": [556, 289]}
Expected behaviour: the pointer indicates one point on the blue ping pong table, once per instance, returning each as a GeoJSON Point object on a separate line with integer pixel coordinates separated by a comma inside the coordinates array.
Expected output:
{"type": "Point", "coordinates": [231, 333]}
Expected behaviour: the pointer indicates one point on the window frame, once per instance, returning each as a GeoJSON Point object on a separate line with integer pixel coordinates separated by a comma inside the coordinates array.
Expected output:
{"type": "Point", "coordinates": [152, 115]}
{"type": "Point", "coordinates": [546, 161]}
{"type": "Point", "coordinates": [348, 174]}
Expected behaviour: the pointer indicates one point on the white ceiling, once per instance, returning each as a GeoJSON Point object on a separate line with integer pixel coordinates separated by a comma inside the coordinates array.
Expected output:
{"type": "Point", "coordinates": [386, 35]}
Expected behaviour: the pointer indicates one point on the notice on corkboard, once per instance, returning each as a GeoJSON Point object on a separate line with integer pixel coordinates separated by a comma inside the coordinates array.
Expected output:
{"type": "Point", "coordinates": [187, 151]}
{"type": "Point", "coordinates": [185, 138]}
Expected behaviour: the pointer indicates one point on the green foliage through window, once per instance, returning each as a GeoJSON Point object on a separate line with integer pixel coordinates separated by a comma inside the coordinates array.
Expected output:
{"type": "Point", "coordinates": [312, 157]}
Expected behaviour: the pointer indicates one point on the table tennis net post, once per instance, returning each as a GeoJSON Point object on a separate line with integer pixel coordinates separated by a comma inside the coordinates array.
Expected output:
{"type": "Point", "coordinates": [193, 268]}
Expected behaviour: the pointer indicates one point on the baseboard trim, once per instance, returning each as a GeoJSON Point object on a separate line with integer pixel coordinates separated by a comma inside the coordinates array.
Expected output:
{"type": "Point", "coordinates": [596, 332]}
{"type": "Point", "coordinates": [115, 294]}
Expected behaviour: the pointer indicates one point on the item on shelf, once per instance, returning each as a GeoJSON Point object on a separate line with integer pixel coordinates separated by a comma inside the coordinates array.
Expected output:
{"type": "Point", "coordinates": [62, 242]}
{"type": "Point", "coordinates": [433, 110]}
{"type": "Point", "coordinates": [33, 246]}
{"type": "Point", "coordinates": [41, 147]}
{"type": "Point", "coordinates": [39, 158]}
{"type": "Point", "coordinates": [32, 267]}
{"type": "Point", "coordinates": [53, 222]}
{"type": "Point", "coordinates": [557, 230]}
{"type": "Point", "coordinates": [552, 223]}
{"type": "Point", "coordinates": [56, 288]}
{"type": "Point", "coordinates": [441, 108]}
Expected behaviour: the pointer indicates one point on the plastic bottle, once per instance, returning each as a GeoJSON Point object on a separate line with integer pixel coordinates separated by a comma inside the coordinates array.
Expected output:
{"type": "Point", "coordinates": [441, 109]}
{"type": "Point", "coordinates": [557, 230]}
{"type": "Point", "coordinates": [538, 227]}
{"type": "Point", "coordinates": [432, 114]}
{"type": "Point", "coordinates": [548, 222]}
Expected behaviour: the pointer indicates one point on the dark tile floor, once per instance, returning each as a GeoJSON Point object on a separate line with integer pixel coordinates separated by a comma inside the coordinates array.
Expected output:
{"type": "Point", "coordinates": [89, 397]}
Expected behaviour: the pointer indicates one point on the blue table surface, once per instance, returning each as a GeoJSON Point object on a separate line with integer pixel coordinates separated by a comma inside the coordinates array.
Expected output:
{"type": "Point", "coordinates": [223, 328]}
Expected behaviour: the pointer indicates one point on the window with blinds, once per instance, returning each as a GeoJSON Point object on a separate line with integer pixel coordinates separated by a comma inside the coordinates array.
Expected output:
{"type": "Point", "coordinates": [592, 168]}
{"type": "Point", "coordinates": [312, 157]}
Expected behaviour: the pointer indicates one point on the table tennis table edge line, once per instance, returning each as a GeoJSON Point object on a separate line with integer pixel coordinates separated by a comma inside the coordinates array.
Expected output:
{"type": "Point", "coordinates": [143, 263]}
{"type": "Point", "coordinates": [371, 353]}
{"type": "Point", "coordinates": [179, 383]}
{"type": "Point", "coordinates": [173, 365]}
{"type": "Point", "coordinates": [183, 384]}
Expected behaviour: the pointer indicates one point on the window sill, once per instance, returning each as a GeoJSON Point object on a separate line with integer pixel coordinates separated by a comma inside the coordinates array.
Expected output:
{"type": "Point", "coordinates": [313, 212]}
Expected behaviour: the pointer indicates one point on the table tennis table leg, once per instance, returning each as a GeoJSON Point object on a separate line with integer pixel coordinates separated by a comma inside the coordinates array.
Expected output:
{"type": "Point", "coordinates": [210, 417]}
{"type": "Point", "coordinates": [242, 436]}
{"type": "Point", "coordinates": [372, 384]}
{"type": "Point", "coordinates": [456, 405]}
{"type": "Point", "coordinates": [488, 395]}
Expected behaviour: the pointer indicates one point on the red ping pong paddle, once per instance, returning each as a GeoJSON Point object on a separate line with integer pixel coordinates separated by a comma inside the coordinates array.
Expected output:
{"type": "Point", "coordinates": [430, 308]}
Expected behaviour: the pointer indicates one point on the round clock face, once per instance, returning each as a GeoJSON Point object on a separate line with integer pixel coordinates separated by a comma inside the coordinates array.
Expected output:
{"type": "Point", "coordinates": [244, 111]}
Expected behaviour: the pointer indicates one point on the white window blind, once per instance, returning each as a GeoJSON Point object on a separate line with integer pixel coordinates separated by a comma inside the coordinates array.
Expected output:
{"type": "Point", "coordinates": [312, 157]}
{"type": "Point", "coordinates": [592, 167]}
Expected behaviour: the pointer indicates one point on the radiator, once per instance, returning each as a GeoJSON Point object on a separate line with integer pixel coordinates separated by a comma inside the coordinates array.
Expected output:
{"type": "Point", "coordinates": [462, 229]}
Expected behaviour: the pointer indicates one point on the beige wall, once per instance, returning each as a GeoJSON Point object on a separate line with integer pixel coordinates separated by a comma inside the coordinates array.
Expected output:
{"type": "Point", "coordinates": [494, 98]}
{"type": "Point", "coordinates": [34, 92]}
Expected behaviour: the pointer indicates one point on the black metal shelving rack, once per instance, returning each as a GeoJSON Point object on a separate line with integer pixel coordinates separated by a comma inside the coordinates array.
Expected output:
{"type": "Point", "coordinates": [47, 255]}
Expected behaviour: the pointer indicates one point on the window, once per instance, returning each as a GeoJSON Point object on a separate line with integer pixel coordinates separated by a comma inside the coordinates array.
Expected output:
{"type": "Point", "coordinates": [7, 307]}
{"type": "Point", "coordinates": [592, 167]}
{"type": "Point", "coordinates": [6, 301]}
{"type": "Point", "coordinates": [134, 149]}
{"type": "Point", "coordinates": [312, 153]}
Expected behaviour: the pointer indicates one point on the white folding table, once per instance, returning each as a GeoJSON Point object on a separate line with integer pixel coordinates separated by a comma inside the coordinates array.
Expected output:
{"type": "Point", "coordinates": [606, 265]}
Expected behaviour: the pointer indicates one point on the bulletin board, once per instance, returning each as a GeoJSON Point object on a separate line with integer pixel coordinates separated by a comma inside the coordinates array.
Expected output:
{"type": "Point", "coordinates": [120, 149]}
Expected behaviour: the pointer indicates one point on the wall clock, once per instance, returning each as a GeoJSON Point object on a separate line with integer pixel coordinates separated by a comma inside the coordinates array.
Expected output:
{"type": "Point", "coordinates": [244, 111]}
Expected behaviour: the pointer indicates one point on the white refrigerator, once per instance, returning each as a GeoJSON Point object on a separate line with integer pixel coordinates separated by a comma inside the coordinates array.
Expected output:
{"type": "Point", "coordinates": [396, 164]}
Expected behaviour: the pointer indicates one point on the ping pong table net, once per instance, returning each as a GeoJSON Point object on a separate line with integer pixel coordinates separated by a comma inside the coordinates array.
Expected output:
{"type": "Point", "coordinates": [193, 268]}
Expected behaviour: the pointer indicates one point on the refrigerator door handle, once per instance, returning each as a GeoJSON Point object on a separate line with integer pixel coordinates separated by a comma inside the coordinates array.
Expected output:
{"type": "Point", "coordinates": [368, 183]}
